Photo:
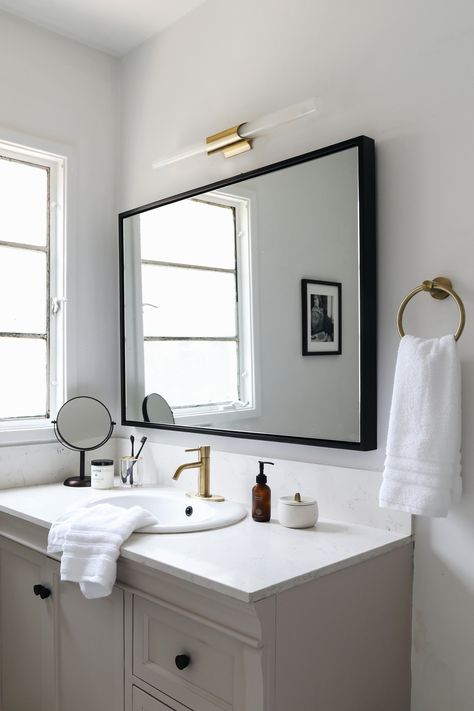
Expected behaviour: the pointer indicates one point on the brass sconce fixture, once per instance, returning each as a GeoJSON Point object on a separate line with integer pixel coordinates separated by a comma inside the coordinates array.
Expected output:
{"type": "Point", "coordinates": [238, 139]}
{"type": "Point", "coordinates": [230, 142]}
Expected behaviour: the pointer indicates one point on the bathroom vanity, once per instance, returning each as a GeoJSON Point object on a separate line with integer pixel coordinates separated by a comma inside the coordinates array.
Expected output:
{"type": "Point", "coordinates": [252, 617]}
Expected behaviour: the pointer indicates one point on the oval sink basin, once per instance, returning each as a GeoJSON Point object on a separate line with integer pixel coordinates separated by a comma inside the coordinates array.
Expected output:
{"type": "Point", "coordinates": [177, 513]}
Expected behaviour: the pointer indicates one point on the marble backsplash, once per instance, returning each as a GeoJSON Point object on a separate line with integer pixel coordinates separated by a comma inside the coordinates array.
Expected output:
{"type": "Point", "coordinates": [343, 493]}
{"type": "Point", "coordinates": [46, 463]}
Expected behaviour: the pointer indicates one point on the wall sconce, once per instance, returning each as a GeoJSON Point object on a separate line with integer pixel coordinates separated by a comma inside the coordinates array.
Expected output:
{"type": "Point", "coordinates": [238, 139]}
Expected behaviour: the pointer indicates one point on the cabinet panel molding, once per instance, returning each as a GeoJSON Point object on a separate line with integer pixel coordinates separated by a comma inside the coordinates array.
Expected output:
{"type": "Point", "coordinates": [160, 636]}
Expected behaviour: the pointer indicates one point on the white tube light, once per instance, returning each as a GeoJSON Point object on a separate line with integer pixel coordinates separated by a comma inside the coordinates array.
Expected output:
{"type": "Point", "coordinates": [249, 130]}
{"type": "Point", "coordinates": [277, 118]}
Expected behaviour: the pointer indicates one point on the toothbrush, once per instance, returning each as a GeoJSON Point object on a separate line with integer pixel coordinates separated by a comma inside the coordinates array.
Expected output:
{"type": "Point", "coordinates": [142, 441]}
{"type": "Point", "coordinates": [132, 440]}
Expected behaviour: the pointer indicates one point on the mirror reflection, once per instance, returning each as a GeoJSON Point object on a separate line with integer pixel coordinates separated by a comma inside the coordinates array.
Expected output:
{"type": "Point", "coordinates": [156, 409]}
{"type": "Point", "coordinates": [229, 293]}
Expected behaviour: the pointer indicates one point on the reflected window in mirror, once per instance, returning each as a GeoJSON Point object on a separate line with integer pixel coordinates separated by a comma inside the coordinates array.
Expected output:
{"type": "Point", "coordinates": [192, 288]}
{"type": "Point", "coordinates": [31, 287]}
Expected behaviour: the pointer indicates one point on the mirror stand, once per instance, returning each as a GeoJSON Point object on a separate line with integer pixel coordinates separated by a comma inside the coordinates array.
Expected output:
{"type": "Point", "coordinates": [82, 479]}
{"type": "Point", "coordinates": [83, 424]}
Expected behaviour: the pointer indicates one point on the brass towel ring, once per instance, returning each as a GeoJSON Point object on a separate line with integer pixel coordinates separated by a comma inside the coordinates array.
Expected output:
{"type": "Point", "coordinates": [439, 288]}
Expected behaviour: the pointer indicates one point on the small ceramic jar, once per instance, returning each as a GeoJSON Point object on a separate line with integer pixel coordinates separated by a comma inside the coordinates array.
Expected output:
{"type": "Point", "coordinates": [297, 511]}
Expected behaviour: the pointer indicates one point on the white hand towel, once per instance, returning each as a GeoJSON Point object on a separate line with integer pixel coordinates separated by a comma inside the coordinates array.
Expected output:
{"type": "Point", "coordinates": [90, 540]}
{"type": "Point", "coordinates": [423, 463]}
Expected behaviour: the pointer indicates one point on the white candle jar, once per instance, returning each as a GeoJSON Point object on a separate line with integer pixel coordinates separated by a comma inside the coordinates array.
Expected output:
{"type": "Point", "coordinates": [297, 511]}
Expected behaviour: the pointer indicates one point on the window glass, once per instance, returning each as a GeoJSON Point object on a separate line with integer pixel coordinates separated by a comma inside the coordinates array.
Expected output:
{"type": "Point", "coordinates": [188, 302]}
{"type": "Point", "coordinates": [191, 373]}
{"type": "Point", "coordinates": [23, 290]}
{"type": "Point", "coordinates": [189, 232]}
{"type": "Point", "coordinates": [23, 202]}
{"type": "Point", "coordinates": [23, 377]}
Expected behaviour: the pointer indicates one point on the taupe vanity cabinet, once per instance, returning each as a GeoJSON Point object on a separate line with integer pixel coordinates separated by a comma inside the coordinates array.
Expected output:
{"type": "Point", "coordinates": [339, 642]}
{"type": "Point", "coordinates": [59, 651]}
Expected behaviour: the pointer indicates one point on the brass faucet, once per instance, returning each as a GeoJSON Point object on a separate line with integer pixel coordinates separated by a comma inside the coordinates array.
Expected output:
{"type": "Point", "coordinates": [204, 466]}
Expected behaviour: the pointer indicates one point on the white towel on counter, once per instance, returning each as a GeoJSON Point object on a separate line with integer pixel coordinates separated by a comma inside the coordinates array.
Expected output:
{"type": "Point", "coordinates": [90, 539]}
{"type": "Point", "coordinates": [422, 472]}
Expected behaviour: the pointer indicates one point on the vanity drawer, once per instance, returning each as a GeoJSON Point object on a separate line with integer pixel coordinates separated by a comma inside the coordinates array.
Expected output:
{"type": "Point", "coordinates": [164, 640]}
{"type": "Point", "coordinates": [145, 702]}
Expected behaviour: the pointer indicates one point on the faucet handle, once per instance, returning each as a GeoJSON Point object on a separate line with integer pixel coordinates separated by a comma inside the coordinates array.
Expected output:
{"type": "Point", "coordinates": [204, 451]}
{"type": "Point", "coordinates": [193, 449]}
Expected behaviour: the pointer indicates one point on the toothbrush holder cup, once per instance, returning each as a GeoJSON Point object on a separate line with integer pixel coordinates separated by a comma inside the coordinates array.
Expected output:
{"type": "Point", "coordinates": [131, 471]}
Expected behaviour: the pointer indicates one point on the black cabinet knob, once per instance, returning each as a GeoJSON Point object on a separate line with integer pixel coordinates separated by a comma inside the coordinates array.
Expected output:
{"type": "Point", "coordinates": [182, 661]}
{"type": "Point", "coordinates": [41, 591]}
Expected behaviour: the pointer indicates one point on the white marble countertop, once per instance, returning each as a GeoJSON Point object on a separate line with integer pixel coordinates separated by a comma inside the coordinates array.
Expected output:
{"type": "Point", "coordinates": [248, 561]}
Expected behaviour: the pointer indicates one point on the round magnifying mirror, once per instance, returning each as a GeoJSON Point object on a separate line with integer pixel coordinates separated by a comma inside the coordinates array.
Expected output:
{"type": "Point", "coordinates": [156, 409]}
{"type": "Point", "coordinates": [83, 423]}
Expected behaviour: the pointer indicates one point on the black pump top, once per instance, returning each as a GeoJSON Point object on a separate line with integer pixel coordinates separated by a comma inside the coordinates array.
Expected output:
{"type": "Point", "coordinates": [262, 477]}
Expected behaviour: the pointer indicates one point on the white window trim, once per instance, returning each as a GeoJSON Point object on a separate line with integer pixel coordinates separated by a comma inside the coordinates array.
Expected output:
{"type": "Point", "coordinates": [35, 430]}
{"type": "Point", "coordinates": [244, 202]}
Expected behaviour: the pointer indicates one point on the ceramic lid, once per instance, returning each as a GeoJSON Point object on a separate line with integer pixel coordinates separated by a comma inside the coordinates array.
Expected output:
{"type": "Point", "coordinates": [292, 501]}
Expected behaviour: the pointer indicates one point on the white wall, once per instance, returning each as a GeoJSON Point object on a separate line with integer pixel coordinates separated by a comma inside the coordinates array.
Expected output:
{"type": "Point", "coordinates": [402, 74]}
{"type": "Point", "coordinates": [60, 96]}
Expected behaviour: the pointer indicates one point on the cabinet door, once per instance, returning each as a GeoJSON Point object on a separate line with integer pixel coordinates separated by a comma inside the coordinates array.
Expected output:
{"type": "Point", "coordinates": [26, 631]}
{"type": "Point", "coordinates": [61, 652]}
{"type": "Point", "coordinates": [89, 650]}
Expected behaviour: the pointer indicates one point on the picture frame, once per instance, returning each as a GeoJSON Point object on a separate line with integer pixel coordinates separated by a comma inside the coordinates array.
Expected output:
{"type": "Point", "coordinates": [321, 317]}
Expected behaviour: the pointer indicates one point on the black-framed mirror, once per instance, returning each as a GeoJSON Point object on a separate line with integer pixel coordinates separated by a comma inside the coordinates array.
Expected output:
{"type": "Point", "coordinates": [229, 290]}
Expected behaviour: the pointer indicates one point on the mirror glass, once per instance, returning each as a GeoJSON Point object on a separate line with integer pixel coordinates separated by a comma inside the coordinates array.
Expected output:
{"type": "Point", "coordinates": [247, 306]}
{"type": "Point", "coordinates": [83, 423]}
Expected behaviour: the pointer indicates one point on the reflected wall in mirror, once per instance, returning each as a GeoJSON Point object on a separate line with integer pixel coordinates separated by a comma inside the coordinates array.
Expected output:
{"type": "Point", "coordinates": [212, 316]}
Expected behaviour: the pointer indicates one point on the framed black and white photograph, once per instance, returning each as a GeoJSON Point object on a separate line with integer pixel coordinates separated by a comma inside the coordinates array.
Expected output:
{"type": "Point", "coordinates": [321, 312]}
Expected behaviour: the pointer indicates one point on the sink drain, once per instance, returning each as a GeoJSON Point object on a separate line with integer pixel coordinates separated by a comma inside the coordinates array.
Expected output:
{"type": "Point", "coordinates": [188, 510]}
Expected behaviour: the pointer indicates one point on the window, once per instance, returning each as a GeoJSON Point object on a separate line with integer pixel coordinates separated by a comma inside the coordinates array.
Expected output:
{"type": "Point", "coordinates": [31, 286]}
{"type": "Point", "coordinates": [196, 304]}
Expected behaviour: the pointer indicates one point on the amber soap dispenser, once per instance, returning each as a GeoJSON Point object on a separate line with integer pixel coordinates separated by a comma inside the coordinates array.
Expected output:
{"type": "Point", "coordinates": [261, 497]}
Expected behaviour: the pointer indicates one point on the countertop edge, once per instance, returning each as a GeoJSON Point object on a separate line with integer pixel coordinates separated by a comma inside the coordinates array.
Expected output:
{"type": "Point", "coordinates": [266, 592]}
